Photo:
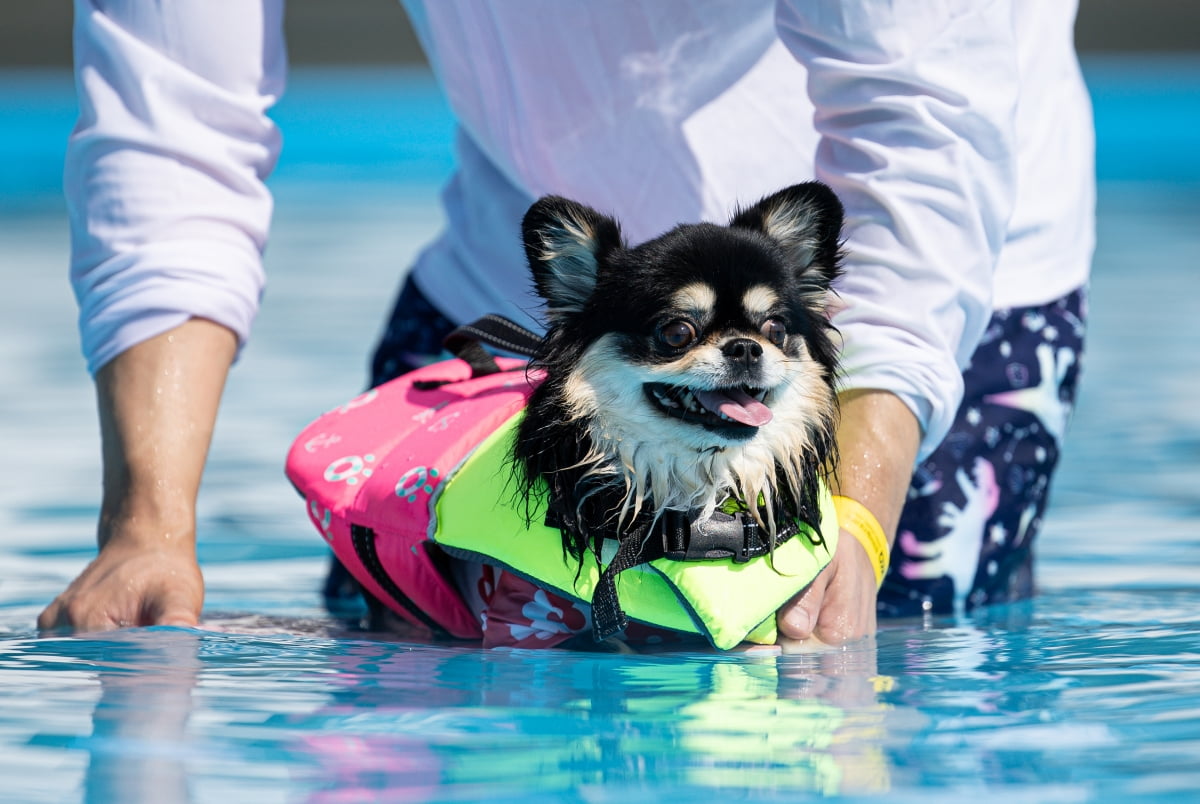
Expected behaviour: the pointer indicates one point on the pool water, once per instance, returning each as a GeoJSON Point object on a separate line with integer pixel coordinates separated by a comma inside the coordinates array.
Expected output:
{"type": "Point", "coordinates": [1090, 692]}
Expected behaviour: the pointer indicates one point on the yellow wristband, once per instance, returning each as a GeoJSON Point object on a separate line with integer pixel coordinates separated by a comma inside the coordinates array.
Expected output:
{"type": "Point", "coordinates": [855, 519]}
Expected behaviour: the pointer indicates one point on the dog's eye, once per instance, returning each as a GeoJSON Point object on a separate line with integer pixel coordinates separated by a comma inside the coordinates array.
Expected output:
{"type": "Point", "coordinates": [774, 331]}
{"type": "Point", "coordinates": [677, 334]}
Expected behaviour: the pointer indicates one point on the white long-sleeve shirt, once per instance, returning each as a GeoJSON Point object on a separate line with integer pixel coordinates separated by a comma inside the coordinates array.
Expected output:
{"type": "Point", "coordinates": [957, 133]}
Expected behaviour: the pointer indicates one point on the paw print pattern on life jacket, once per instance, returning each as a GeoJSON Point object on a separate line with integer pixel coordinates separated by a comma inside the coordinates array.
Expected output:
{"type": "Point", "coordinates": [322, 518]}
{"type": "Point", "coordinates": [349, 469]}
{"type": "Point", "coordinates": [415, 481]}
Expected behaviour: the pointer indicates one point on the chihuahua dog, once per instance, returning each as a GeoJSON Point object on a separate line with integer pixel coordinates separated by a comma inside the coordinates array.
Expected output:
{"type": "Point", "coordinates": [684, 373]}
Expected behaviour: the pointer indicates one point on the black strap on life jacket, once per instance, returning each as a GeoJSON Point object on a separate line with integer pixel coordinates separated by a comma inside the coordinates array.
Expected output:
{"type": "Point", "coordinates": [363, 540]}
{"type": "Point", "coordinates": [679, 537]}
{"type": "Point", "coordinates": [467, 342]}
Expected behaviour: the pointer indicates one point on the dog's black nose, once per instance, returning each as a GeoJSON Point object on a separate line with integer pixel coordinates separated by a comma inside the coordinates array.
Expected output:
{"type": "Point", "coordinates": [743, 350]}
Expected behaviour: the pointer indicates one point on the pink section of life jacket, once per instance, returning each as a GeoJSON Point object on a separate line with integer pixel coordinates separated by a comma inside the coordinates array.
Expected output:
{"type": "Point", "coordinates": [369, 469]}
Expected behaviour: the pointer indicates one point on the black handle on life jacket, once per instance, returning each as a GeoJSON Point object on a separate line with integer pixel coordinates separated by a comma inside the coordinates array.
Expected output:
{"type": "Point", "coordinates": [467, 341]}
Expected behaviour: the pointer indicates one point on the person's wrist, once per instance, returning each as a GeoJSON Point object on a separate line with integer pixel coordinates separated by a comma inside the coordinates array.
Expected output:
{"type": "Point", "coordinates": [142, 526]}
{"type": "Point", "coordinates": [857, 520]}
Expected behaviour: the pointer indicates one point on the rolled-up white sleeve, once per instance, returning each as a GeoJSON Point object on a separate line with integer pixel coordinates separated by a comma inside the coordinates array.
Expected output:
{"type": "Point", "coordinates": [915, 109]}
{"type": "Point", "coordinates": [166, 166]}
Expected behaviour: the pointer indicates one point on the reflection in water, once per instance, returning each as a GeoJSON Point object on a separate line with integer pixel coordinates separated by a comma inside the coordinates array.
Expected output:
{"type": "Point", "coordinates": [139, 745]}
{"type": "Point", "coordinates": [1026, 696]}
{"type": "Point", "coordinates": [503, 723]}
{"type": "Point", "coordinates": [397, 720]}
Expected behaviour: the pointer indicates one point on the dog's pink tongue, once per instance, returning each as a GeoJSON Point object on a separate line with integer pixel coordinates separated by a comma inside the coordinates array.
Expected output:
{"type": "Point", "coordinates": [737, 405]}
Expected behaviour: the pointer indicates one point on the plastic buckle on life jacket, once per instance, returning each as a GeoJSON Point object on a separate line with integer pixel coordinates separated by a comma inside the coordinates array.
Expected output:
{"type": "Point", "coordinates": [720, 536]}
{"type": "Point", "coordinates": [736, 536]}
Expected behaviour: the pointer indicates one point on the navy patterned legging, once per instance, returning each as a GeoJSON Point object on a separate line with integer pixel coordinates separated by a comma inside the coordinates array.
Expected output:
{"type": "Point", "coordinates": [976, 504]}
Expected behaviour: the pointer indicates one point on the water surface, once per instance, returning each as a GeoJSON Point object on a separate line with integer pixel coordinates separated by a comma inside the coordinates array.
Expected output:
{"type": "Point", "coordinates": [1091, 692]}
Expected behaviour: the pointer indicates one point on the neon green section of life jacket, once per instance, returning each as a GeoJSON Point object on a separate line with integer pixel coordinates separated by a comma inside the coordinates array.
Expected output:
{"type": "Point", "coordinates": [477, 515]}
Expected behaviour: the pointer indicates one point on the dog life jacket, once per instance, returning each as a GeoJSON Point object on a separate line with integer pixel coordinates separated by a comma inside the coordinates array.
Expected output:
{"type": "Point", "coordinates": [418, 469]}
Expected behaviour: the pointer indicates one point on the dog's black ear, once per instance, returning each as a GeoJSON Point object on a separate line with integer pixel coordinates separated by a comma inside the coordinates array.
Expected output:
{"type": "Point", "coordinates": [806, 219]}
{"type": "Point", "coordinates": [565, 242]}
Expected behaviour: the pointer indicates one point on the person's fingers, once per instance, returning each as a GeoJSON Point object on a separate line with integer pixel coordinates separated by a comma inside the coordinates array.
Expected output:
{"type": "Point", "coordinates": [179, 618]}
{"type": "Point", "coordinates": [798, 619]}
{"type": "Point", "coordinates": [176, 597]}
{"type": "Point", "coordinates": [848, 613]}
{"type": "Point", "coordinates": [48, 620]}
{"type": "Point", "coordinates": [848, 609]}
{"type": "Point", "coordinates": [75, 613]}
{"type": "Point", "coordinates": [80, 614]}
{"type": "Point", "coordinates": [177, 608]}
{"type": "Point", "coordinates": [125, 591]}
{"type": "Point", "coordinates": [839, 605]}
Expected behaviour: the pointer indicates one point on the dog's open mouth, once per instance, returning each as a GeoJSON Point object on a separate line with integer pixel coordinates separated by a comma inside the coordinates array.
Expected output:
{"type": "Point", "coordinates": [739, 410]}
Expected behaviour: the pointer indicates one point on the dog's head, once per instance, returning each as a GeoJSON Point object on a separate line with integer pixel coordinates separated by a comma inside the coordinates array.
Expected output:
{"type": "Point", "coordinates": [688, 369]}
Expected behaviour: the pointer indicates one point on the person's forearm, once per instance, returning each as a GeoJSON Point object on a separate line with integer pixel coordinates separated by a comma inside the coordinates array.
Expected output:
{"type": "Point", "coordinates": [878, 437]}
{"type": "Point", "coordinates": [158, 405]}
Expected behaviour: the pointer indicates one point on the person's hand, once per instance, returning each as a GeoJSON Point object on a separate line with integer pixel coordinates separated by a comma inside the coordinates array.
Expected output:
{"type": "Point", "coordinates": [838, 606]}
{"type": "Point", "coordinates": [877, 440]}
{"type": "Point", "coordinates": [130, 585]}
